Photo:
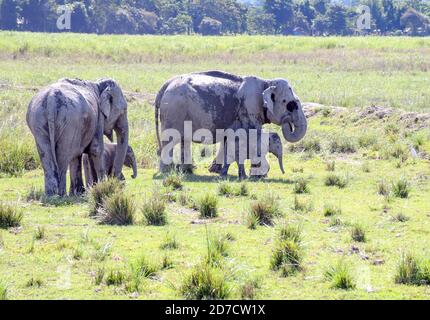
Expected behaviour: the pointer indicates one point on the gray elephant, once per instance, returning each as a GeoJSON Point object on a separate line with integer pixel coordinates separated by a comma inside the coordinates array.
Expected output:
{"type": "Point", "coordinates": [70, 118]}
{"type": "Point", "coordinates": [109, 154]}
{"type": "Point", "coordinates": [215, 100]}
{"type": "Point", "coordinates": [275, 148]}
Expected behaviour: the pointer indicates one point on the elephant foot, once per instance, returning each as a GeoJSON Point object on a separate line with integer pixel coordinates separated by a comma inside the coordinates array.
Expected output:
{"type": "Point", "coordinates": [258, 178]}
{"type": "Point", "coordinates": [185, 168]}
{"type": "Point", "coordinates": [215, 168]}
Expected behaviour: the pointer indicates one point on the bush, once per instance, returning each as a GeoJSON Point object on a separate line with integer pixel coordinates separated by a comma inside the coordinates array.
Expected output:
{"type": "Point", "coordinates": [301, 186]}
{"type": "Point", "coordinates": [358, 233]}
{"type": "Point", "coordinates": [265, 210]}
{"type": "Point", "coordinates": [342, 144]}
{"type": "Point", "coordinates": [118, 209]}
{"type": "Point", "coordinates": [10, 217]}
{"type": "Point", "coordinates": [340, 276]}
{"type": "Point", "coordinates": [205, 283]}
{"type": "Point", "coordinates": [401, 188]}
{"type": "Point", "coordinates": [208, 206]}
{"type": "Point", "coordinates": [334, 180]}
{"type": "Point", "coordinates": [102, 191]}
{"type": "Point", "coordinates": [154, 211]}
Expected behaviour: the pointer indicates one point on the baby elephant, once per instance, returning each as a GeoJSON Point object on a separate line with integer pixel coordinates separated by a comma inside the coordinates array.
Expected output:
{"type": "Point", "coordinates": [275, 148]}
{"type": "Point", "coordinates": [108, 159]}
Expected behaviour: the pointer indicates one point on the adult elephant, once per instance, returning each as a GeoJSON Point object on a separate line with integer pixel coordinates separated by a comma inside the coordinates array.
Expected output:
{"type": "Point", "coordinates": [69, 118]}
{"type": "Point", "coordinates": [216, 100]}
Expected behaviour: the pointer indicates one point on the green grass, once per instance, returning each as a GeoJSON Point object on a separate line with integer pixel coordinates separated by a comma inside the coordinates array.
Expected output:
{"type": "Point", "coordinates": [118, 209]}
{"type": "Point", "coordinates": [154, 210]}
{"type": "Point", "coordinates": [340, 276]}
{"type": "Point", "coordinates": [346, 72]}
{"type": "Point", "coordinates": [10, 216]}
{"type": "Point", "coordinates": [208, 206]}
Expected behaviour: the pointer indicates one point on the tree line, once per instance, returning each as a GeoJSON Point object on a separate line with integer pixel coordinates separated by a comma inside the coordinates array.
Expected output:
{"type": "Point", "coordinates": [217, 17]}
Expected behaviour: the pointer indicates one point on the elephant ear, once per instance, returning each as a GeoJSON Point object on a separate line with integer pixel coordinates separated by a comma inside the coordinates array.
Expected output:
{"type": "Point", "coordinates": [269, 99]}
{"type": "Point", "coordinates": [105, 102]}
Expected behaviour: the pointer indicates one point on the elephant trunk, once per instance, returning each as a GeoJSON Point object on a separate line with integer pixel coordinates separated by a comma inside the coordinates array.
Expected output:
{"type": "Point", "coordinates": [295, 126]}
{"type": "Point", "coordinates": [134, 166]}
{"type": "Point", "coordinates": [122, 146]}
{"type": "Point", "coordinates": [281, 164]}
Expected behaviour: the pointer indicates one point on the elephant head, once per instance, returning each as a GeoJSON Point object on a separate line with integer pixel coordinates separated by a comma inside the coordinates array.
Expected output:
{"type": "Point", "coordinates": [283, 108]}
{"type": "Point", "coordinates": [113, 107]}
{"type": "Point", "coordinates": [130, 161]}
{"type": "Point", "coordinates": [276, 148]}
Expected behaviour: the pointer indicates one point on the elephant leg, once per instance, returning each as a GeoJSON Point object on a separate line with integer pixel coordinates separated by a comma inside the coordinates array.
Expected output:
{"type": "Point", "coordinates": [217, 166]}
{"type": "Point", "coordinates": [242, 172]}
{"type": "Point", "coordinates": [186, 158]}
{"type": "Point", "coordinates": [63, 164]}
{"type": "Point", "coordinates": [76, 181]}
{"type": "Point", "coordinates": [96, 159]}
{"type": "Point", "coordinates": [49, 168]}
{"type": "Point", "coordinates": [164, 167]}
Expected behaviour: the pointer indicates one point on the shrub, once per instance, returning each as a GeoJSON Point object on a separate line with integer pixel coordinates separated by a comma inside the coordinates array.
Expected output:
{"type": "Point", "coordinates": [248, 290]}
{"type": "Point", "coordinates": [205, 283]}
{"type": "Point", "coordinates": [3, 291]}
{"type": "Point", "coordinates": [118, 209]}
{"type": "Point", "coordinates": [301, 186]}
{"type": "Point", "coordinates": [331, 210]}
{"type": "Point", "coordinates": [358, 233]}
{"type": "Point", "coordinates": [170, 243]}
{"type": "Point", "coordinates": [10, 217]}
{"type": "Point", "coordinates": [101, 191]}
{"type": "Point", "coordinates": [174, 180]}
{"type": "Point", "coordinates": [266, 210]}
{"type": "Point", "coordinates": [401, 188]}
{"type": "Point", "coordinates": [343, 144]}
{"type": "Point", "coordinates": [154, 211]}
{"type": "Point", "coordinates": [334, 180]}
{"type": "Point", "coordinates": [208, 206]}
{"type": "Point", "coordinates": [340, 276]}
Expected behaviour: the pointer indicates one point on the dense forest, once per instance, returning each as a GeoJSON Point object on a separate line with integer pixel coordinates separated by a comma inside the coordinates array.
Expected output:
{"type": "Point", "coordinates": [218, 17]}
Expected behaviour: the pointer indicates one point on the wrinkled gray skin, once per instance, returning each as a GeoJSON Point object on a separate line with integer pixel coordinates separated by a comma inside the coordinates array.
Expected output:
{"type": "Point", "coordinates": [68, 119]}
{"type": "Point", "coordinates": [108, 161]}
{"type": "Point", "coordinates": [215, 100]}
{"type": "Point", "coordinates": [275, 148]}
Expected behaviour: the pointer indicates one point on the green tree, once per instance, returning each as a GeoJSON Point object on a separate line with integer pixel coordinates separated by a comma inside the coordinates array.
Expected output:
{"type": "Point", "coordinates": [260, 22]}
{"type": "Point", "coordinates": [8, 14]}
{"type": "Point", "coordinates": [283, 11]}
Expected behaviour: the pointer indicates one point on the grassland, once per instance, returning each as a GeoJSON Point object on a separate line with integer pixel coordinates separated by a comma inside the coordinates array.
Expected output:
{"type": "Point", "coordinates": [66, 258]}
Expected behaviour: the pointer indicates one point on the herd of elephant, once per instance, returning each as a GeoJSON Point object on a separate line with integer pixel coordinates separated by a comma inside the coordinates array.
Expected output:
{"type": "Point", "coordinates": [70, 118]}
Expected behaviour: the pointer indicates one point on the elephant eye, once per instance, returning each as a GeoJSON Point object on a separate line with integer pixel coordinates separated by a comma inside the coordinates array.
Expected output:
{"type": "Point", "coordinates": [111, 99]}
{"type": "Point", "coordinates": [284, 101]}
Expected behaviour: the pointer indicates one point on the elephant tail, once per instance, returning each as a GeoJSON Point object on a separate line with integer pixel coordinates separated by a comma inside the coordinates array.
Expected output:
{"type": "Point", "coordinates": [52, 115]}
{"type": "Point", "coordinates": [157, 112]}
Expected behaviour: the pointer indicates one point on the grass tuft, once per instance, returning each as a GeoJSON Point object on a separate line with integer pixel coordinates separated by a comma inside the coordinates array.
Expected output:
{"type": "Point", "coordinates": [10, 216]}
{"type": "Point", "coordinates": [208, 206]}
{"type": "Point", "coordinates": [401, 188]}
{"type": "Point", "coordinates": [331, 210]}
{"type": "Point", "coordinates": [265, 210]}
{"type": "Point", "coordinates": [154, 211]}
{"type": "Point", "coordinates": [40, 233]}
{"type": "Point", "coordinates": [340, 276]}
{"type": "Point", "coordinates": [383, 188]}
{"type": "Point", "coordinates": [174, 180]}
{"type": "Point", "coordinates": [225, 189]}
{"type": "Point", "coordinates": [3, 292]}
{"type": "Point", "coordinates": [115, 277]}
{"type": "Point", "coordinates": [118, 209]}
{"type": "Point", "coordinates": [334, 180]}
{"type": "Point", "coordinates": [343, 144]}
{"type": "Point", "coordinates": [205, 283]}
{"type": "Point", "coordinates": [170, 242]}
{"type": "Point", "coordinates": [301, 186]}
{"type": "Point", "coordinates": [101, 191]}
{"type": "Point", "coordinates": [358, 233]}
{"type": "Point", "coordinates": [248, 290]}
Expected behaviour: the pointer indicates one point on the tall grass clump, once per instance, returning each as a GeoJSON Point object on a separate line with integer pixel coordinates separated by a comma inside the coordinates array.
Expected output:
{"type": "Point", "coordinates": [335, 180]}
{"type": "Point", "coordinates": [248, 290]}
{"type": "Point", "coordinates": [170, 242]}
{"type": "Point", "coordinates": [118, 209]}
{"type": "Point", "coordinates": [340, 276]}
{"type": "Point", "coordinates": [288, 252]}
{"type": "Point", "coordinates": [101, 191]}
{"type": "Point", "coordinates": [265, 210]}
{"type": "Point", "coordinates": [217, 248]}
{"type": "Point", "coordinates": [225, 189]}
{"type": "Point", "coordinates": [174, 180]}
{"type": "Point", "coordinates": [154, 210]}
{"type": "Point", "coordinates": [10, 216]}
{"type": "Point", "coordinates": [17, 156]}
{"type": "Point", "coordinates": [343, 144]}
{"type": "Point", "coordinates": [3, 291]}
{"type": "Point", "coordinates": [208, 206]}
{"type": "Point", "coordinates": [205, 283]}
{"type": "Point", "coordinates": [401, 188]}
{"type": "Point", "coordinates": [358, 233]}
{"type": "Point", "coordinates": [301, 186]}
{"type": "Point", "coordinates": [331, 210]}
{"type": "Point", "coordinates": [383, 188]}
{"type": "Point", "coordinates": [412, 270]}
{"type": "Point", "coordinates": [302, 205]}
{"type": "Point", "coordinates": [142, 267]}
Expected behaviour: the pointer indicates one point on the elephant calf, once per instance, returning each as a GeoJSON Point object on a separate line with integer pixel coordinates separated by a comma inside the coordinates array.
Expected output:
{"type": "Point", "coordinates": [275, 148]}
{"type": "Point", "coordinates": [109, 154]}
